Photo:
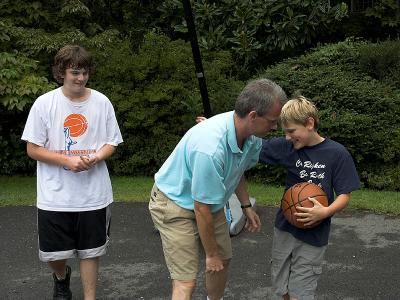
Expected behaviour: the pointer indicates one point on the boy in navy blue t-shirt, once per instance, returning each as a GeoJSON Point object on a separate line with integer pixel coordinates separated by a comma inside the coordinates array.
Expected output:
{"type": "Point", "coordinates": [297, 254]}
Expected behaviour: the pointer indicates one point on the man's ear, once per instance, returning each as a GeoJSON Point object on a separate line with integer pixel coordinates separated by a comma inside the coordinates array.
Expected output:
{"type": "Point", "coordinates": [253, 115]}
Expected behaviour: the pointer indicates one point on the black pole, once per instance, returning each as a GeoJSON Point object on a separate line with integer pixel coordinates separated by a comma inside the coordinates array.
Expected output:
{"type": "Point", "coordinates": [197, 58]}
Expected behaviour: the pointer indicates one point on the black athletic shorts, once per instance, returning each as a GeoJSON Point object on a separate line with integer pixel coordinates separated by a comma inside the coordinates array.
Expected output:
{"type": "Point", "coordinates": [64, 235]}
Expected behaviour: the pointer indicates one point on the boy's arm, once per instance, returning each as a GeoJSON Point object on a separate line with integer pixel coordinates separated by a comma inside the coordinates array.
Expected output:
{"type": "Point", "coordinates": [340, 203]}
{"type": "Point", "coordinates": [74, 163]}
{"type": "Point", "coordinates": [105, 152]}
{"type": "Point", "coordinates": [319, 212]}
{"type": "Point", "coordinates": [253, 222]}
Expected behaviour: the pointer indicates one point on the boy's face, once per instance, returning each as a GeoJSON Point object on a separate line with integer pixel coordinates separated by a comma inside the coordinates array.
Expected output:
{"type": "Point", "coordinates": [300, 135]}
{"type": "Point", "coordinates": [75, 80]}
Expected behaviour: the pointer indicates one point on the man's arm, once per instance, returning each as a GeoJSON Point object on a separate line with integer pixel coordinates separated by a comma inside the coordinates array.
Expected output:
{"type": "Point", "coordinates": [205, 224]}
{"type": "Point", "coordinates": [253, 223]}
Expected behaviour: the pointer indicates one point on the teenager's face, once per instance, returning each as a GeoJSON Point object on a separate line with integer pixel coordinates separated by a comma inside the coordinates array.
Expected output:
{"type": "Point", "coordinates": [268, 122]}
{"type": "Point", "coordinates": [75, 80]}
{"type": "Point", "coordinates": [300, 135]}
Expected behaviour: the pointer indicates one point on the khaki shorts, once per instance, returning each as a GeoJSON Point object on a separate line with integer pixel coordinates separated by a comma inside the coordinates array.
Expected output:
{"type": "Point", "coordinates": [180, 236]}
{"type": "Point", "coordinates": [296, 266]}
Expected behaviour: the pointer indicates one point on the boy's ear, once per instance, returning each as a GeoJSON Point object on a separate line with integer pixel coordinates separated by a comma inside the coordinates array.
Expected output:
{"type": "Point", "coordinates": [310, 123]}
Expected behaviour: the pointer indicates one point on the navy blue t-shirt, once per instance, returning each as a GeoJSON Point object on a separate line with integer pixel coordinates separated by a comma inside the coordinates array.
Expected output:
{"type": "Point", "coordinates": [327, 164]}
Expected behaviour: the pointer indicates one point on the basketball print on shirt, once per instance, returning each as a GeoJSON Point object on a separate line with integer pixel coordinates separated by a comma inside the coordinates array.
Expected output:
{"type": "Point", "coordinates": [75, 125]}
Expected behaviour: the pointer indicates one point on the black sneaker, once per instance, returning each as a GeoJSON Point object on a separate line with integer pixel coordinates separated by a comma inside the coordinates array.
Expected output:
{"type": "Point", "coordinates": [61, 287]}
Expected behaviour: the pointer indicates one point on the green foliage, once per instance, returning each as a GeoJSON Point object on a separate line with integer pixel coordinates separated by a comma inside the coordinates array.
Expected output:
{"type": "Point", "coordinates": [19, 81]}
{"type": "Point", "coordinates": [255, 29]}
{"type": "Point", "coordinates": [356, 110]}
{"type": "Point", "coordinates": [382, 61]}
{"type": "Point", "coordinates": [156, 96]}
{"type": "Point", "coordinates": [386, 11]}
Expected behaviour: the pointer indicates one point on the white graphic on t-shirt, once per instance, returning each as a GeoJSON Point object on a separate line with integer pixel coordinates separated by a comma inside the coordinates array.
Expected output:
{"type": "Point", "coordinates": [310, 170]}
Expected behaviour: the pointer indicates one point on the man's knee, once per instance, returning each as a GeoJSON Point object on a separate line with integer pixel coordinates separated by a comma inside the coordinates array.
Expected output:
{"type": "Point", "coordinates": [183, 289]}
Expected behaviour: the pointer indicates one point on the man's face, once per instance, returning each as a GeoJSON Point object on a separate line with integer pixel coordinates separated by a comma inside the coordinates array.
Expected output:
{"type": "Point", "coordinates": [268, 122]}
{"type": "Point", "coordinates": [75, 80]}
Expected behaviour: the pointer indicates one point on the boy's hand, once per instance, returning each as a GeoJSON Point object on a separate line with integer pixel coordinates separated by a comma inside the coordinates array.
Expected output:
{"type": "Point", "coordinates": [310, 215]}
{"type": "Point", "coordinates": [81, 163]}
{"type": "Point", "coordinates": [78, 164]}
{"type": "Point", "coordinates": [200, 119]}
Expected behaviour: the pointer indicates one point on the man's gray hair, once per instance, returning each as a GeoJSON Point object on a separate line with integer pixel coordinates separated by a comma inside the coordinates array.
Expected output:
{"type": "Point", "coordinates": [259, 95]}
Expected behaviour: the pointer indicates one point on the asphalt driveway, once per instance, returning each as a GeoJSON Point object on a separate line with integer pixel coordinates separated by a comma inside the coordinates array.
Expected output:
{"type": "Point", "coordinates": [362, 261]}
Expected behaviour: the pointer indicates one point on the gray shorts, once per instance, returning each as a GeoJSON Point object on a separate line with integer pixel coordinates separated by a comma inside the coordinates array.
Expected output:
{"type": "Point", "coordinates": [296, 266]}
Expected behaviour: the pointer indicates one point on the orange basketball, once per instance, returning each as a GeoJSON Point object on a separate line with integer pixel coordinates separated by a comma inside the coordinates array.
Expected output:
{"type": "Point", "coordinates": [296, 196]}
{"type": "Point", "coordinates": [76, 123]}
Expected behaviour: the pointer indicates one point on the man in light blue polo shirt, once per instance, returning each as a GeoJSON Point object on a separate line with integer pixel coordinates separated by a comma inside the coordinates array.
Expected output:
{"type": "Point", "coordinates": [195, 182]}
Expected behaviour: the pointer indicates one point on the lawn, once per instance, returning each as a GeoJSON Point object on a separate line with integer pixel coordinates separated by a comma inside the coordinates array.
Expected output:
{"type": "Point", "coordinates": [22, 191]}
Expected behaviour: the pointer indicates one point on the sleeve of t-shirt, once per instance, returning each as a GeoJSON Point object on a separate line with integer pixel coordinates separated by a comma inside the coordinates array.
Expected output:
{"type": "Point", "coordinates": [207, 178]}
{"type": "Point", "coordinates": [273, 151]}
{"type": "Point", "coordinates": [114, 136]}
{"type": "Point", "coordinates": [345, 176]}
{"type": "Point", "coordinates": [35, 127]}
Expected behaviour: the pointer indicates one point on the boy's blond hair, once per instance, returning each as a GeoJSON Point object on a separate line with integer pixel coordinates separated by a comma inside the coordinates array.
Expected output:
{"type": "Point", "coordinates": [298, 110]}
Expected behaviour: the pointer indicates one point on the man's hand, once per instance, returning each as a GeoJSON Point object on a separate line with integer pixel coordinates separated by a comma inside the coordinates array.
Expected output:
{"type": "Point", "coordinates": [214, 264]}
{"type": "Point", "coordinates": [253, 223]}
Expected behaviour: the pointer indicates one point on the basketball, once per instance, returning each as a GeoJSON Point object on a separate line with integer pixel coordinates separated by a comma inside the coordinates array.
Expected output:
{"type": "Point", "coordinates": [76, 123]}
{"type": "Point", "coordinates": [296, 196]}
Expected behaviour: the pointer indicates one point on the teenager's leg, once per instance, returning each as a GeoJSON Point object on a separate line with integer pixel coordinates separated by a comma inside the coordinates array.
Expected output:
{"type": "Point", "coordinates": [183, 289]}
{"type": "Point", "coordinates": [58, 267]}
{"type": "Point", "coordinates": [89, 272]}
{"type": "Point", "coordinates": [216, 282]}
{"type": "Point", "coordinates": [287, 297]}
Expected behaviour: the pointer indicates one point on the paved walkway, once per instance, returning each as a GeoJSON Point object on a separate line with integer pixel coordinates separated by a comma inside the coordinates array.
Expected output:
{"type": "Point", "coordinates": [362, 261]}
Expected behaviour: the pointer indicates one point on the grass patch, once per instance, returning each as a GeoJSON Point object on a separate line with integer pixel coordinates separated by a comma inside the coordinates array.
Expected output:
{"type": "Point", "coordinates": [22, 191]}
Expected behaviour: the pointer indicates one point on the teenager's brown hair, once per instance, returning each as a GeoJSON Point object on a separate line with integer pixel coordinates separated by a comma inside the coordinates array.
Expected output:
{"type": "Point", "coordinates": [71, 56]}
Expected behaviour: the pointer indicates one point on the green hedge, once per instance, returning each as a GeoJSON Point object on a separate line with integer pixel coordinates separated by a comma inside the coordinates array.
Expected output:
{"type": "Point", "coordinates": [156, 96]}
{"type": "Point", "coordinates": [357, 110]}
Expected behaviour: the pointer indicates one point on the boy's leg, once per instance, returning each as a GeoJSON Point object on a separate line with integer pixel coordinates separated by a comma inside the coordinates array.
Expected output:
{"type": "Point", "coordinates": [59, 268]}
{"type": "Point", "coordinates": [306, 269]}
{"type": "Point", "coordinates": [89, 272]}
{"type": "Point", "coordinates": [56, 245]}
{"type": "Point", "coordinates": [93, 228]}
{"type": "Point", "coordinates": [282, 247]}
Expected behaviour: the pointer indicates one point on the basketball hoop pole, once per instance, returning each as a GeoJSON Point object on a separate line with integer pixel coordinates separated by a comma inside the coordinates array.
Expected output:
{"type": "Point", "coordinates": [197, 58]}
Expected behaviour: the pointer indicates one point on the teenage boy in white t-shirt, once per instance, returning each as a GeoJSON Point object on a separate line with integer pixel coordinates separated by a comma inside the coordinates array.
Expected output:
{"type": "Point", "coordinates": [71, 131]}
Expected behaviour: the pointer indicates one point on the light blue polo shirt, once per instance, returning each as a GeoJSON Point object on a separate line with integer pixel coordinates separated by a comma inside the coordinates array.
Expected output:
{"type": "Point", "coordinates": [207, 164]}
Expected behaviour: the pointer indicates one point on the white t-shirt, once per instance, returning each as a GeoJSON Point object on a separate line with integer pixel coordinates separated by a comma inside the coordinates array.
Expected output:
{"type": "Point", "coordinates": [71, 128]}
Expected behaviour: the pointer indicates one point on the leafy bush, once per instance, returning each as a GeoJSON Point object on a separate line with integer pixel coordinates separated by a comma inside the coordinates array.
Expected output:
{"type": "Point", "coordinates": [156, 96]}
{"type": "Point", "coordinates": [256, 30]}
{"type": "Point", "coordinates": [356, 110]}
{"type": "Point", "coordinates": [382, 61]}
